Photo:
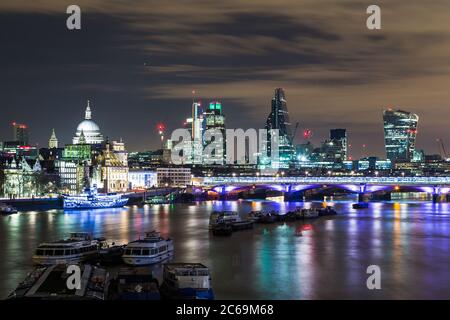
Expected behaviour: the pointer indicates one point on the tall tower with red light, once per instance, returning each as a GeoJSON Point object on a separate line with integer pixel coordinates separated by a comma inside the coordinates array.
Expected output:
{"type": "Point", "coordinates": [161, 128]}
{"type": "Point", "coordinates": [20, 133]}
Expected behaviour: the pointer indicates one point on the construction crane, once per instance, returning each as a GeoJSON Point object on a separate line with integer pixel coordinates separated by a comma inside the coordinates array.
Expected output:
{"type": "Point", "coordinates": [295, 132]}
{"type": "Point", "coordinates": [441, 147]}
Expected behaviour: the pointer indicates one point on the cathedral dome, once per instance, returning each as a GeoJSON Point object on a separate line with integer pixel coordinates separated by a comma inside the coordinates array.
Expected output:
{"type": "Point", "coordinates": [88, 130]}
{"type": "Point", "coordinates": [88, 126]}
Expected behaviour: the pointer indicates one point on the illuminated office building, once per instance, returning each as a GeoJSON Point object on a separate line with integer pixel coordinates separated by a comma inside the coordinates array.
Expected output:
{"type": "Point", "coordinates": [278, 119]}
{"type": "Point", "coordinates": [215, 119]}
{"type": "Point", "coordinates": [20, 133]}
{"type": "Point", "coordinates": [400, 131]}
{"type": "Point", "coordinates": [339, 137]}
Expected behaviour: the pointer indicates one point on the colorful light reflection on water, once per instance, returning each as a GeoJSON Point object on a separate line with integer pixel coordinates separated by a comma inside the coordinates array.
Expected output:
{"type": "Point", "coordinates": [409, 241]}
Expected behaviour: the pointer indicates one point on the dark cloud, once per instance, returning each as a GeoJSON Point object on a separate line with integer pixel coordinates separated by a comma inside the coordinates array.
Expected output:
{"type": "Point", "coordinates": [138, 63]}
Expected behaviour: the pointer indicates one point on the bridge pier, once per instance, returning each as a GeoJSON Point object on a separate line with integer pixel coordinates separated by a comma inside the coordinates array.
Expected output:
{"type": "Point", "coordinates": [362, 197]}
{"type": "Point", "coordinates": [222, 193]}
{"type": "Point", "coordinates": [437, 198]}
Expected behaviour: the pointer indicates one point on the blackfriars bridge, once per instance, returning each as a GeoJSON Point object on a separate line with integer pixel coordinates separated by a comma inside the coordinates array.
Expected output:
{"type": "Point", "coordinates": [294, 187]}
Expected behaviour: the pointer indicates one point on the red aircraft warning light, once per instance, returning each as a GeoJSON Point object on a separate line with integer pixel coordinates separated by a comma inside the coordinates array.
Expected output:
{"type": "Point", "coordinates": [307, 134]}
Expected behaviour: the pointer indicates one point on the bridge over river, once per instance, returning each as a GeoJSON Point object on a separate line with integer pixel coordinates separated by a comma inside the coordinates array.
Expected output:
{"type": "Point", "coordinates": [438, 187]}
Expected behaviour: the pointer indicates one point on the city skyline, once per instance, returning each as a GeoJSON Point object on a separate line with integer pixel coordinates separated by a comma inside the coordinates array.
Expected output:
{"type": "Point", "coordinates": [127, 61]}
{"type": "Point", "coordinates": [231, 150]}
{"type": "Point", "coordinates": [82, 130]}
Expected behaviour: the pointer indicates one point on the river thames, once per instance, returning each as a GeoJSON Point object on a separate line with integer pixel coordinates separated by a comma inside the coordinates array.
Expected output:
{"type": "Point", "coordinates": [409, 241]}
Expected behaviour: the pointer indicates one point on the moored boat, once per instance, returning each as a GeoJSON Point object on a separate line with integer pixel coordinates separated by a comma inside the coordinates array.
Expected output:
{"type": "Point", "coordinates": [91, 199]}
{"type": "Point", "coordinates": [80, 246]}
{"type": "Point", "coordinates": [242, 225]}
{"type": "Point", "coordinates": [135, 284]}
{"type": "Point", "coordinates": [328, 211]}
{"type": "Point", "coordinates": [110, 253]}
{"type": "Point", "coordinates": [255, 215]}
{"type": "Point", "coordinates": [222, 229]}
{"type": "Point", "coordinates": [186, 281]}
{"type": "Point", "coordinates": [269, 217]}
{"type": "Point", "coordinates": [6, 209]}
{"type": "Point", "coordinates": [288, 216]}
{"type": "Point", "coordinates": [157, 200]}
{"type": "Point", "coordinates": [360, 205]}
{"type": "Point", "coordinates": [223, 216]}
{"type": "Point", "coordinates": [50, 283]}
{"type": "Point", "coordinates": [150, 250]}
{"type": "Point", "coordinates": [309, 213]}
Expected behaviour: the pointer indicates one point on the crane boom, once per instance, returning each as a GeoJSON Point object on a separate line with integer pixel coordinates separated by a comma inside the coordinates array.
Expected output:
{"type": "Point", "coordinates": [295, 132]}
{"type": "Point", "coordinates": [442, 150]}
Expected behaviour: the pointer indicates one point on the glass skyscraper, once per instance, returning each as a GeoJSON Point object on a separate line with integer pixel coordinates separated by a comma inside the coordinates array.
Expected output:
{"type": "Point", "coordinates": [215, 119]}
{"type": "Point", "coordinates": [195, 125]}
{"type": "Point", "coordinates": [400, 131]}
{"type": "Point", "coordinates": [279, 119]}
{"type": "Point", "coordinates": [339, 137]}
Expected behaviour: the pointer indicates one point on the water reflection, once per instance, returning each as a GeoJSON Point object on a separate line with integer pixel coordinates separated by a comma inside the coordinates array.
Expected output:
{"type": "Point", "coordinates": [410, 242]}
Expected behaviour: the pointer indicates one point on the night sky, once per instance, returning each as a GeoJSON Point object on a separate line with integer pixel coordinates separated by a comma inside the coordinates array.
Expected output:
{"type": "Point", "coordinates": [138, 62]}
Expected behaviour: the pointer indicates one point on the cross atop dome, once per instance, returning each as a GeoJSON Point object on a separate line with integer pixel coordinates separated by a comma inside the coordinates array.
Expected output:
{"type": "Point", "coordinates": [88, 115]}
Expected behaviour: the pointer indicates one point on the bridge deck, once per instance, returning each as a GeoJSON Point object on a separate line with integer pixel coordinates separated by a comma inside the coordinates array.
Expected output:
{"type": "Point", "coordinates": [405, 181]}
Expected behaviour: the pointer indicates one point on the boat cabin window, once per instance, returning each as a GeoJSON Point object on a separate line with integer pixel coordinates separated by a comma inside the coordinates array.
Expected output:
{"type": "Point", "coordinates": [59, 252]}
{"type": "Point", "coordinates": [202, 273]}
{"type": "Point", "coordinates": [145, 252]}
{"type": "Point", "coordinates": [193, 273]}
{"type": "Point", "coordinates": [40, 252]}
{"type": "Point", "coordinates": [136, 252]}
{"type": "Point", "coordinates": [128, 252]}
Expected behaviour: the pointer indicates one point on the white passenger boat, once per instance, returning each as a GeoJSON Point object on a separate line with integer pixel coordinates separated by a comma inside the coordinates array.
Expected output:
{"type": "Point", "coordinates": [150, 250]}
{"type": "Point", "coordinates": [91, 199]}
{"type": "Point", "coordinates": [78, 247]}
